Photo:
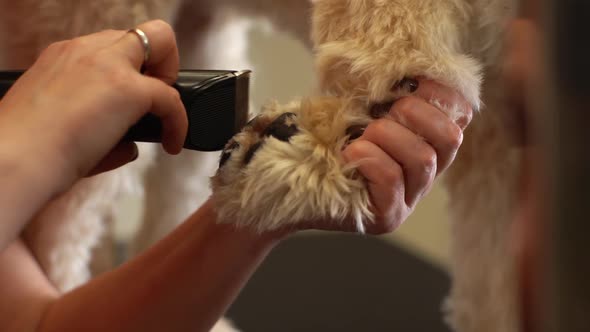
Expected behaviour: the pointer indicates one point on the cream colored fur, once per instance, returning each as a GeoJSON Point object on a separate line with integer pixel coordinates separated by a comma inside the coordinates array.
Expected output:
{"type": "Point", "coordinates": [302, 180]}
{"type": "Point", "coordinates": [363, 48]}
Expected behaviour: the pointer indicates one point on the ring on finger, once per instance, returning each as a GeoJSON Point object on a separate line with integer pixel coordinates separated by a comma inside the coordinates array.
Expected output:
{"type": "Point", "coordinates": [145, 43]}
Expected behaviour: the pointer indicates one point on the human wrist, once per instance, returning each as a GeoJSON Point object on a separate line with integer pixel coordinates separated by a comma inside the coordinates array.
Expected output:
{"type": "Point", "coordinates": [26, 188]}
{"type": "Point", "coordinates": [26, 163]}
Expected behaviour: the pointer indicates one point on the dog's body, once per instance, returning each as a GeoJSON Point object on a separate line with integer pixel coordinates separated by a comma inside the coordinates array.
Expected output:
{"type": "Point", "coordinates": [363, 48]}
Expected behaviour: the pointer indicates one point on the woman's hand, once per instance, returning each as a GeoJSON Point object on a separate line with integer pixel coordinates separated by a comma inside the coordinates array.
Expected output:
{"type": "Point", "coordinates": [64, 118]}
{"type": "Point", "coordinates": [73, 106]}
{"type": "Point", "coordinates": [400, 155]}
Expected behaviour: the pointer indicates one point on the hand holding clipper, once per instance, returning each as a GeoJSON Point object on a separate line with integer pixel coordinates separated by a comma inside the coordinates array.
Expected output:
{"type": "Point", "coordinates": [216, 102]}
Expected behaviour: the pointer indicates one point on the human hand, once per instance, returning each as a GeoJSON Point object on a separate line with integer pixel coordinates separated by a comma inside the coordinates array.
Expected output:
{"type": "Point", "coordinates": [71, 108]}
{"type": "Point", "coordinates": [400, 155]}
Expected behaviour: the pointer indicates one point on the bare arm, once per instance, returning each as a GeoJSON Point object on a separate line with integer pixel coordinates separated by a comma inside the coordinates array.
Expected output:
{"type": "Point", "coordinates": [25, 186]}
{"type": "Point", "coordinates": [184, 283]}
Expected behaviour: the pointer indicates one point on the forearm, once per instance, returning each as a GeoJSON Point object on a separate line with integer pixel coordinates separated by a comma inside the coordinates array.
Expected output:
{"type": "Point", "coordinates": [184, 283]}
{"type": "Point", "coordinates": [33, 167]}
{"type": "Point", "coordinates": [26, 184]}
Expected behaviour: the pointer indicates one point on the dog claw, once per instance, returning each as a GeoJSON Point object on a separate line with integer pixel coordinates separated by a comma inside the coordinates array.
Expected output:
{"type": "Point", "coordinates": [226, 154]}
{"type": "Point", "coordinates": [252, 151]}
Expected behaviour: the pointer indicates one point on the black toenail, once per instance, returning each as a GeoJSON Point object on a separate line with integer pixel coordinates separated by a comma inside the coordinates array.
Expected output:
{"type": "Point", "coordinates": [283, 128]}
{"type": "Point", "coordinates": [408, 84]}
{"type": "Point", "coordinates": [251, 152]}
{"type": "Point", "coordinates": [378, 111]}
{"type": "Point", "coordinates": [227, 153]}
{"type": "Point", "coordinates": [355, 132]}
{"type": "Point", "coordinates": [252, 121]}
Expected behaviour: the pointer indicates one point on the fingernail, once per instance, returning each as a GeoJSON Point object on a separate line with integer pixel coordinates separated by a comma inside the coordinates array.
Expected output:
{"type": "Point", "coordinates": [380, 110]}
{"type": "Point", "coordinates": [252, 121]}
{"type": "Point", "coordinates": [355, 132]}
{"type": "Point", "coordinates": [409, 84]}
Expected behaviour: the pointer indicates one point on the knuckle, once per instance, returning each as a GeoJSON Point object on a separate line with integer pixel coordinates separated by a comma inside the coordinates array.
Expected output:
{"type": "Point", "coordinates": [161, 26]}
{"type": "Point", "coordinates": [465, 118]}
{"type": "Point", "coordinates": [356, 150]}
{"type": "Point", "coordinates": [77, 44]}
{"type": "Point", "coordinates": [377, 128]}
{"type": "Point", "coordinates": [88, 60]}
{"type": "Point", "coordinates": [426, 161]}
{"type": "Point", "coordinates": [175, 101]}
{"type": "Point", "coordinates": [406, 105]}
{"type": "Point", "coordinates": [174, 94]}
{"type": "Point", "coordinates": [55, 49]}
{"type": "Point", "coordinates": [453, 137]}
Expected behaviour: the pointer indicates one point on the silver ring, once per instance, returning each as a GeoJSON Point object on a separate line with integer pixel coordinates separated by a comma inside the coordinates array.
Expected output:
{"type": "Point", "coordinates": [145, 42]}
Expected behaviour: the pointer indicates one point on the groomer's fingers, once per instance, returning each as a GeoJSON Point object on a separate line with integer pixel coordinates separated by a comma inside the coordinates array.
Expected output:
{"type": "Point", "coordinates": [431, 90]}
{"type": "Point", "coordinates": [123, 153]}
{"type": "Point", "coordinates": [417, 157]}
{"type": "Point", "coordinates": [166, 105]}
{"type": "Point", "coordinates": [386, 183]}
{"type": "Point", "coordinates": [164, 60]}
{"type": "Point", "coordinates": [435, 127]}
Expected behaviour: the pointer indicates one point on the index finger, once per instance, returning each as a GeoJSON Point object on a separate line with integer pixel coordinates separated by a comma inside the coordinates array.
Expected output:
{"type": "Point", "coordinates": [449, 101]}
{"type": "Point", "coordinates": [163, 62]}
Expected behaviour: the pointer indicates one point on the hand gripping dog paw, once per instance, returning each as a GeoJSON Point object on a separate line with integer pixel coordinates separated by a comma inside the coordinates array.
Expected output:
{"type": "Point", "coordinates": [286, 166]}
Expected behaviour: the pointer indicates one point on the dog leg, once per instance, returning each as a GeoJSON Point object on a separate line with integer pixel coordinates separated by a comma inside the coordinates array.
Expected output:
{"type": "Point", "coordinates": [482, 185]}
{"type": "Point", "coordinates": [483, 190]}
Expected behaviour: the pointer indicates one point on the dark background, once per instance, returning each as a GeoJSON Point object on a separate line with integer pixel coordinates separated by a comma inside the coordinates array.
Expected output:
{"type": "Point", "coordinates": [342, 283]}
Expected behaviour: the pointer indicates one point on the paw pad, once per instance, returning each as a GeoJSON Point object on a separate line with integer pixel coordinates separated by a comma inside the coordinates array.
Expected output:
{"type": "Point", "coordinates": [256, 132]}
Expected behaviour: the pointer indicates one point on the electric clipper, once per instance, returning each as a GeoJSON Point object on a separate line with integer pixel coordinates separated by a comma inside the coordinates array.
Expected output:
{"type": "Point", "coordinates": [216, 102]}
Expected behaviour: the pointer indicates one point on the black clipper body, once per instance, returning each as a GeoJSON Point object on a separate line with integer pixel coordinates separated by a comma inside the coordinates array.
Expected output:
{"type": "Point", "coordinates": [216, 103]}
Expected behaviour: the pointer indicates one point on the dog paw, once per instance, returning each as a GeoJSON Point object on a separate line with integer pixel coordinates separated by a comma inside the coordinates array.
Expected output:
{"type": "Point", "coordinates": [257, 132]}
{"type": "Point", "coordinates": [285, 167]}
